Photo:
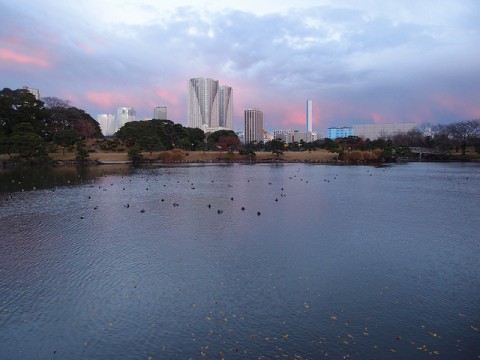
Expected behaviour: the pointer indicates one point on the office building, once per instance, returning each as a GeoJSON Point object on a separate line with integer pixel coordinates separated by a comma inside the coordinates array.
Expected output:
{"type": "Point", "coordinates": [339, 132]}
{"type": "Point", "coordinates": [107, 124]}
{"type": "Point", "coordinates": [293, 136]}
{"type": "Point", "coordinates": [35, 92]}
{"type": "Point", "coordinates": [225, 107]}
{"type": "Point", "coordinates": [309, 116]}
{"type": "Point", "coordinates": [370, 131]}
{"type": "Point", "coordinates": [124, 115]}
{"type": "Point", "coordinates": [384, 131]}
{"type": "Point", "coordinates": [160, 113]}
{"type": "Point", "coordinates": [253, 125]}
{"type": "Point", "coordinates": [210, 106]}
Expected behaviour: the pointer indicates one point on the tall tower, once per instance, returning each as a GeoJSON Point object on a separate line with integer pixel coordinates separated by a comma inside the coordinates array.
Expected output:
{"type": "Point", "coordinates": [309, 115]}
{"type": "Point", "coordinates": [160, 113]}
{"type": "Point", "coordinates": [253, 125]}
{"type": "Point", "coordinates": [107, 123]}
{"type": "Point", "coordinates": [225, 107]}
{"type": "Point", "coordinates": [203, 104]}
{"type": "Point", "coordinates": [124, 115]}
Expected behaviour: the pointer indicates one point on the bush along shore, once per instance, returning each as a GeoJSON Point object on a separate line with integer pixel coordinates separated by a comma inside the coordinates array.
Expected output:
{"type": "Point", "coordinates": [177, 156]}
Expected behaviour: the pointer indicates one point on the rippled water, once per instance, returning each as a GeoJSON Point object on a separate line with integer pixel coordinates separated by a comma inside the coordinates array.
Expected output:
{"type": "Point", "coordinates": [341, 262]}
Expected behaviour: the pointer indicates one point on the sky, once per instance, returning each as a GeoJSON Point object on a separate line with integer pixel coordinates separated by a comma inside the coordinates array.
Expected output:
{"type": "Point", "coordinates": [360, 62]}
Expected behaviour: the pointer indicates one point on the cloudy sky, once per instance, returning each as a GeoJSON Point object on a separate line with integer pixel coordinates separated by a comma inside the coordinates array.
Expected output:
{"type": "Point", "coordinates": [359, 61]}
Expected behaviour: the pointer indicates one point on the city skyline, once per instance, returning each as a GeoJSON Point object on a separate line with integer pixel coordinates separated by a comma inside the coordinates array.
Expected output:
{"type": "Point", "coordinates": [376, 62]}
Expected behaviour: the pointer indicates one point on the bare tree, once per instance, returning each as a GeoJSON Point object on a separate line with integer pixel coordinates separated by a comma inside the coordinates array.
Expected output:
{"type": "Point", "coordinates": [465, 133]}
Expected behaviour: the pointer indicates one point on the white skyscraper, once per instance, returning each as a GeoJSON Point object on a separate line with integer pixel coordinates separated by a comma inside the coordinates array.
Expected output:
{"type": "Point", "coordinates": [253, 125]}
{"type": "Point", "coordinates": [226, 107]}
{"type": "Point", "coordinates": [160, 113]}
{"type": "Point", "coordinates": [107, 124]}
{"type": "Point", "coordinates": [35, 92]}
{"type": "Point", "coordinates": [124, 115]}
{"type": "Point", "coordinates": [309, 116]}
{"type": "Point", "coordinates": [210, 106]}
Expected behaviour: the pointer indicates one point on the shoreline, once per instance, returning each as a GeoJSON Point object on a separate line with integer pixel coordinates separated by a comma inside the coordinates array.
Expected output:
{"type": "Point", "coordinates": [176, 157]}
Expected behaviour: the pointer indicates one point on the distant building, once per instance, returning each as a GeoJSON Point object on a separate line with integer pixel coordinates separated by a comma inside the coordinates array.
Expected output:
{"type": "Point", "coordinates": [35, 92]}
{"type": "Point", "coordinates": [160, 113]}
{"type": "Point", "coordinates": [225, 96]}
{"type": "Point", "coordinates": [253, 125]}
{"type": "Point", "coordinates": [370, 131]}
{"type": "Point", "coordinates": [210, 106]}
{"type": "Point", "coordinates": [241, 135]}
{"type": "Point", "coordinates": [377, 131]}
{"type": "Point", "coordinates": [293, 136]}
{"type": "Point", "coordinates": [309, 116]}
{"type": "Point", "coordinates": [125, 115]}
{"type": "Point", "coordinates": [284, 135]}
{"type": "Point", "coordinates": [339, 132]}
{"type": "Point", "coordinates": [107, 124]}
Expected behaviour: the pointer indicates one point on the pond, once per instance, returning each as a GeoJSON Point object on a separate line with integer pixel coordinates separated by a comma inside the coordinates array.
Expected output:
{"type": "Point", "coordinates": [237, 261]}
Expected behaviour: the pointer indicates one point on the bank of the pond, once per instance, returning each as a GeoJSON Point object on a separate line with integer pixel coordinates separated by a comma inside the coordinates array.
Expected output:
{"type": "Point", "coordinates": [180, 156]}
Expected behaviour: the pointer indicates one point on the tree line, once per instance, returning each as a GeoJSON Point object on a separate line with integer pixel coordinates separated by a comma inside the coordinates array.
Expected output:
{"type": "Point", "coordinates": [31, 128]}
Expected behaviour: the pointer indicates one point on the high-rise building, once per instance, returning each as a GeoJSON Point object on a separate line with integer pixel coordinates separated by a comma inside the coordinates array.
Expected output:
{"type": "Point", "coordinates": [107, 124]}
{"type": "Point", "coordinates": [35, 92]}
{"type": "Point", "coordinates": [309, 116]}
{"type": "Point", "coordinates": [160, 113]}
{"type": "Point", "coordinates": [225, 107]}
{"type": "Point", "coordinates": [253, 125]}
{"type": "Point", "coordinates": [339, 132]}
{"type": "Point", "coordinates": [210, 106]}
{"type": "Point", "coordinates": [124, 115]}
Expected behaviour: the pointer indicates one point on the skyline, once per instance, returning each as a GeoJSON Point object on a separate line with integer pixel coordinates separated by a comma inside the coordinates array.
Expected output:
{"type": "Point", "coordinates": [394, 62]}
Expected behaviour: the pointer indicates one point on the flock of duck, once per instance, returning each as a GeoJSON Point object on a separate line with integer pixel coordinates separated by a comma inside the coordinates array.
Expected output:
{"type": "Point", "coordinates": [154, 178]}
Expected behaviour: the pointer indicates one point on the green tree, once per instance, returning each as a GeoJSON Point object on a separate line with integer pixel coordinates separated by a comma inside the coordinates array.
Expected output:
{"type": "Point", "coordinates": [20, 106]}
{"type": "Point", "coordinates": [223, 139]}
{"type": "Point", "coordinates": [277, 147]}
{"type": "Point", "coordinates": [82, 153]}
{"type": "Point", "coordinates": [60, 115]}
{"type": "Point", "coordinates": [26, 143]}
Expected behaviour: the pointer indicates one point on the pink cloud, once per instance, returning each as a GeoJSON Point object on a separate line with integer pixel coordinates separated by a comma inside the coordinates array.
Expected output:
{"type": "Point", "coordinates": [17, 57]}
{"type": "Point", "coordinates": [87, 48]}
{"type": "Point", "coordinates": [465, 107]}
{"type": "Point", "coordinates": [168, 96]}
{"type": "Point", "coordinates": [107, 99]}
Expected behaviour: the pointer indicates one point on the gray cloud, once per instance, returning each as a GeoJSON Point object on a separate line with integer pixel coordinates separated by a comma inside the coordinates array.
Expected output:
{"type": "Point", "coordinates": [352, 62]}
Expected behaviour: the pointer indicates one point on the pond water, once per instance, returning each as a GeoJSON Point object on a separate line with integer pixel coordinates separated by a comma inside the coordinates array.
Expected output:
{"type": "Point", "coordinates": [322, 262]}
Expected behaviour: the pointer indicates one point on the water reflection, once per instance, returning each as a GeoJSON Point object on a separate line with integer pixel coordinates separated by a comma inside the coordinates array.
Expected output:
{"type": "Point", "coordinates": [26, 179]}
{"type": "Point", "coordinates": [350, 262]}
